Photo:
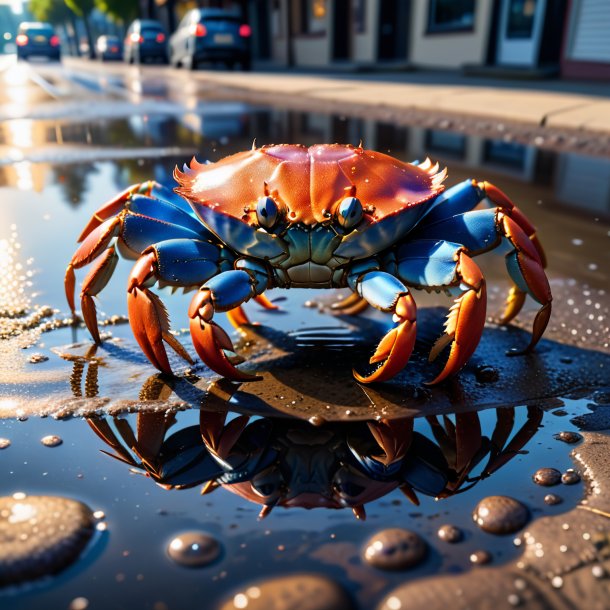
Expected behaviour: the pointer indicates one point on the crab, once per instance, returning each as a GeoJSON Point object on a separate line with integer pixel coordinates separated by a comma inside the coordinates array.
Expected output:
{"type": "Point", "coordinates": [327, 216]}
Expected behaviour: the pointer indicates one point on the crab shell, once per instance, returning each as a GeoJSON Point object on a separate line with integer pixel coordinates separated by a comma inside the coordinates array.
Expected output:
{"type": "Point", "coordinates": [308, 184]}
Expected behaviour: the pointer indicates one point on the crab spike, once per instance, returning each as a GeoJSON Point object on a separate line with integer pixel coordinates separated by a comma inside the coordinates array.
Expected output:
{"type": "Point", "coordinates": [209, 487]}
{"type": "Point", "coordinates": [434, 169]}
{"type": "Point", "coordinates": [465, 321]}
{"type": "Point", "coordinates": [359, 512]}
{"type": "Point", "coordinates": [396, 347]}
{"type": "Point", "coordinates": [425, 164]}
{"type": "Point", "coordinates": [265, 511]}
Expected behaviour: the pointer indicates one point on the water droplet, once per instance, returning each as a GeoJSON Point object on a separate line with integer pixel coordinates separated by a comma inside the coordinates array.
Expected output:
{"type": "Point", "coordinates": [569, 437]}
{"type": "Point", "coordinates": [547, 477]}
{"type": "Point", "coordinates": [194, 549]}
{"type": "Point", "coordinates": [552, 499]}
{"type": "Point", "coordinates": [450, 533]}
{"type": "Point", "coordinates": [570, 477]}
{"type": "Point", "coordinates": [51, 440]}
{"type": "Point", "coordinates": [480, 557]}
{"type": "Point", "coordinates": [500, 515]}
{"type": "Point", "coordinates": [79, 603]}
{"type": "Point", "coordinates": [394, 549]}
{"type": "Point", "coordinates": [557, 582]}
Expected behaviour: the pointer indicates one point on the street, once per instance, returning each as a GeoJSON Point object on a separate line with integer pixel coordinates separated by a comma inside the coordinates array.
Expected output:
{"type": "Point", "coordinates": [215, 454]}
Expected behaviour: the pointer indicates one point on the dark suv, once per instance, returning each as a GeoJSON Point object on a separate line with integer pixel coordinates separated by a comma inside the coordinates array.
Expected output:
{"type": "Point", "coordinates": [210, 35]}
{"type": "Point", "coordinates": [35, 38]}
{"type": "Point", "coordinates": [145, 40]}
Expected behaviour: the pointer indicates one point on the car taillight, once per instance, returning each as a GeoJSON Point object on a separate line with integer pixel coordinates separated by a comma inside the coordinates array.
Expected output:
{"type": "Point", "coordinates": [21, 40]}
{"type": "Point", "coordinates": [160, 37]}
{"type": "Point", "coordinates": [245, 31]}
{"type": "Point", "coordinates": [54, 40]}
{"type": "Point", "coordinates": [136, 38]}
{"type": "Point", "coordinates": [199, 30]}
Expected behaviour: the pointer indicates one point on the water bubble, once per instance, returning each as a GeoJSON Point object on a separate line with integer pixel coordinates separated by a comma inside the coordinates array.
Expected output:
{"type": "Point", "coordinates": [194, 549]}
{"type": "Point", "coordinates": [547, 477]}
{"type": "Point", "coordinates": [569, 437]}
{"type": "Point", "coordinates": [51, 440]}
{"type": "Point", "coordinates": [500, 515]}
{"type": "Point", "coordinates": [598, 571]}
{"type": "Point", "coordinates": [577, 242]}
{"type": "Point", "coordinates": [394, 549]}
{"type": "Point", "coordinates": [552, 499]}
{"type": "Point", "coordinates": [450, 533]}
{"type": "Point", "coordinates": [306, 591]}
{"type": "Point", "coordinates": [570, 477]}
{"type": "Point", "coordinates": [41, 535]}
{"type": "Point", "coordinates": [480, 557]}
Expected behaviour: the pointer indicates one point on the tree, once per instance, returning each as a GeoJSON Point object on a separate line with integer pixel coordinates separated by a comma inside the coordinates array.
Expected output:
{"type": "Point", "coordinates": [56, 13]}
{"type": "Point", "coordinates": [119, 10]}
{"type": "Point", "coordinates": [82, 8]}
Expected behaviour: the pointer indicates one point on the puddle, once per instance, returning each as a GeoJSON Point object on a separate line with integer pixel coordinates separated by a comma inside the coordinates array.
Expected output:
{"type": "Point", "coordinates": [477, 437]}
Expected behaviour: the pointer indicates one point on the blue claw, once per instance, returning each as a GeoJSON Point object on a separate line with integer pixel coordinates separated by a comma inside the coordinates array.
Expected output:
{"type": "Point", "coordinates": [427, 262]}
{"type": "Point", "coordinates": [186, 262]}
{"type": "Point", "coordinates": [230, 289]}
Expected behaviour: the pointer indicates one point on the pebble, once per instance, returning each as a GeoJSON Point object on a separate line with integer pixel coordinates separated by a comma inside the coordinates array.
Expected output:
{"type": "Point", "coordinates": [4, 443]}
{"type": "Point", "coordinates": [500, 515]}
{"type": "Point", "coordinates": [570, 477]}
{"type": "Point", "coordinates": [394, 549]}
{"type": "Point", "coordinates": [569, 437]}
{"type": "Point", "coordinates": [547, 477]}
{"type": "Point", "coordinates": [194, 549]}
{"type": "Point", "coordinates": [450, 533]}
{"type": "Point", "coordinates": [37, 358]}
{"type": "Point", "coordinates": [480, 558]}
{"type": "Point", "coordinates": [51, 440]}
{"type": "Point", "coordinates": [552, 499]}
{"type": "Point", "coordinates": [302, 591]}
{"type": "Point", "coordinates": [310, 304]}
{"type": "Point", "coordinates": [486, 374]}
{"type": "Point", "coordinates": [40, 535]}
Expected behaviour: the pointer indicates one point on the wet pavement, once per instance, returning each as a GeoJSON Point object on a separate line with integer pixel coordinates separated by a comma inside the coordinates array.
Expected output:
{"type": "Point", "coordinates": [307, 436]}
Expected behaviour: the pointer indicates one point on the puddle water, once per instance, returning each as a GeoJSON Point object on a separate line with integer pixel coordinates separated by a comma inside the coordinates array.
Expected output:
{"type": "Point", "coordinates": [307, 436]}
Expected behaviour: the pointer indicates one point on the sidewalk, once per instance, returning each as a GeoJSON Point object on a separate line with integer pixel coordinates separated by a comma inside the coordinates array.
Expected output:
{"type": "Point", "coordinates": [553, 104]}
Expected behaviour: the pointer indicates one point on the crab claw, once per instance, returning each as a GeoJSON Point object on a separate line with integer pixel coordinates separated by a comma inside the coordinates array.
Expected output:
{"type": "Point", "coordinates": [465, 322]}
{"type": "Point", "coordinates": [148, 317]}
{"type": "Point", "coordinates": [210, 340]}
{"type": "Point", "coordinates": [395, 348]}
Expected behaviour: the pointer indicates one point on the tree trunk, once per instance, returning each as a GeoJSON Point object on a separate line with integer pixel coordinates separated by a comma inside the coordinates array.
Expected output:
{"type": "Point", "coordinates": [90, 44]}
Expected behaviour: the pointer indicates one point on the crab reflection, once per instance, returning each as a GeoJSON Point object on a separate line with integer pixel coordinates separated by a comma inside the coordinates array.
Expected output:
{"type": "Point", "coordinates": [273, 461]}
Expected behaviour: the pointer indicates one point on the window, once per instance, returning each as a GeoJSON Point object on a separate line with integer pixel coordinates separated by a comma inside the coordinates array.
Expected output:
{"type": "Point", "coordinates": [446, 143]}
{"type": "Point", "coordinates": [313, 17]}
{"type": "Point", "coordinates": [504, 154]}
{"type": "Point", "coordinates": [451, 15]}
{"type": "Point", "coordinates": [521, 15]}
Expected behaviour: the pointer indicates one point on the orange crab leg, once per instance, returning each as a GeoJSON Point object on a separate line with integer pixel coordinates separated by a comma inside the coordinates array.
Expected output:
{"type": "Point", "coordinates": [238, 317]}
{"type": "Point", "coordinates": [351, 305]}
{"type": "Point", "coordinates": [113, 207]}
{"type": "Point", "coordinates": [94, 283]}
{"type": "Point", "coordinates": [210, 340]}
{"type": "Point", "coordinates": [395, 348]}
{"type": "Point", "coordinates": [93, 245]}
{"type": "Point", "coordinates": [148, 317]}
{"type": "Point", "coordinates": [465, 322]}
{"type": "Point", "coordinates": [526, 270]}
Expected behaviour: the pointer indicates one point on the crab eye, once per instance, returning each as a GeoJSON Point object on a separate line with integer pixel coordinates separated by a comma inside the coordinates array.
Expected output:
{"type": "Point", "coordinates": [349, 213]}
{"type": "Point", "coordinates": [267, 212]}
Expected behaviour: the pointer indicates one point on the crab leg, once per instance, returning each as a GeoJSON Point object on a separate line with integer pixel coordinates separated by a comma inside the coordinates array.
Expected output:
{"type": "Point", "coordinates": [351, 305]}
{"type": "Point", "coordinates": [147, 314]}
{"type": "Point", "coordinates": [383, 291]}
{"type": "Point", "coordinates": [465, 321]}
{"type": "Point", "coordinates": [224, 292]}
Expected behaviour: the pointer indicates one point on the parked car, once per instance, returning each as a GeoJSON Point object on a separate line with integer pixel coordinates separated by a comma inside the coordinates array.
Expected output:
{"type": "Point", "coordinates": [210, 35]}
{"type": "Point", "coordinates": [109, 47]}
{"type": "Point", "coordinates": [37, 38]}
{"type": "Point", "coordinates": [146, 40]}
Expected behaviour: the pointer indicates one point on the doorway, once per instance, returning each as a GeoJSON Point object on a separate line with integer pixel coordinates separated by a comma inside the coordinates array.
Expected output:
{"type": "Point", "coordinates": [342, 30]}
{"type": "Point", "coordinates": [520, 32]}
{"type": "Point", "coordinates": [393, 27]}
